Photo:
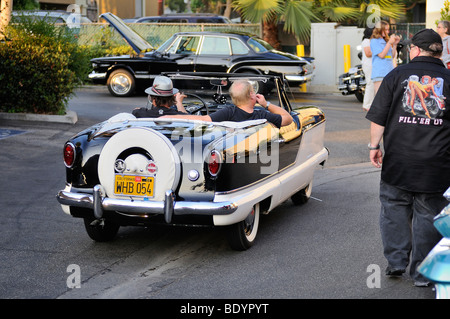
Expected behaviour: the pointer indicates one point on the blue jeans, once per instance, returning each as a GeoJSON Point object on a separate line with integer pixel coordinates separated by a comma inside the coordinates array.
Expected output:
{"type": "Point", "coordinates": [407, 229]}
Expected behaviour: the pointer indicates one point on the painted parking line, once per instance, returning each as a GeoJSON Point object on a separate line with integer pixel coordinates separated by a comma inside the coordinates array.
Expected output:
{"type": "Point", "coordinates": [4, 133]}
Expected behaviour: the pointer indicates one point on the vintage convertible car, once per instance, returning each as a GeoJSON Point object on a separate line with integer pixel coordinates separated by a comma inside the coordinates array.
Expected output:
{"type": "Point", "coordinates": [129, 171]}
{"type": "Point", "coordinates": [194, 52]}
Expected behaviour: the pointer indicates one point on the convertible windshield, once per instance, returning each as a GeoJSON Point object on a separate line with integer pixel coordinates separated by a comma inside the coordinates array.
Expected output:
{"type": "Point", "coordinates": [259, 46]}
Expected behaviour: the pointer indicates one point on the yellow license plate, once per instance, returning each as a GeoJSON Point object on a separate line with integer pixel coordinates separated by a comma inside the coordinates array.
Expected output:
{"type": "Point", "coordinates": [133, 185]}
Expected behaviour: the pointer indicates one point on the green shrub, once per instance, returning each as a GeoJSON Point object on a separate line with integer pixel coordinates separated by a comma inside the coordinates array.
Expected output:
{"type": "Point", "coordinates": [34, 79]}
{"type": "Point", "coordinates": [40, 66]}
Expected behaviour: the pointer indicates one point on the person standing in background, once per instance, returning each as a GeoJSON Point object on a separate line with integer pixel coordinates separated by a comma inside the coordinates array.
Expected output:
{"type": "Point", "coordinates": [415, 166]}
{"type": "Point", "coordinates": [369, 91]}
{"type": "Point", "coordinates": [443, 29]}
{"type": "Point", "coordinates": [384, 52]}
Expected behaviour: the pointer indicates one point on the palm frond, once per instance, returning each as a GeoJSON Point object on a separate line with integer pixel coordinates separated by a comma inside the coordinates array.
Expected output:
{"type": "Point", "coordinates": [256, 10]}
{"type": "Point", "coordinates": [386, 9]}
{"type": "Point", "coordinates": [297, 17]}
{"type": "Point", "coordinates": [339, 13]}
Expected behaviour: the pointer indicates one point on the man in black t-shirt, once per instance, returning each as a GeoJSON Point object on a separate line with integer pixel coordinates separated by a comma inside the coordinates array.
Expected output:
{"type": "Point", "coordinates": [244, 98]}
{"type": "Point", "coordinates": [411, 113]}
{"type": "Point", "coordinates": [162, 96]}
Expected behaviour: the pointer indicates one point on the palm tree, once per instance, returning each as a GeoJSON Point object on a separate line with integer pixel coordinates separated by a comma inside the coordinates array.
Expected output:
{"type": "Point", "coordinates": [297, 15]}
{"type": "Point", "coordinates": [5, 15]}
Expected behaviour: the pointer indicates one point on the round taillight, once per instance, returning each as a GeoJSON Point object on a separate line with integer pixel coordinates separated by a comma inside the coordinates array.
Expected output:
{"type": "Point", "coordinates": [214, 161]}
{"type": "Point", "coordinates": [69, 154]}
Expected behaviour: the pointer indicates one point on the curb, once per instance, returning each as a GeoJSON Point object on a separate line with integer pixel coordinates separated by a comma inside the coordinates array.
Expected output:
{"type": "Point", "coordinates": [70, 117]}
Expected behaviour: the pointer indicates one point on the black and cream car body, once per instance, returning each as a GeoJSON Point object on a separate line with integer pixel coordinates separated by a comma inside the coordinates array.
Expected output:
{"type": "Point", "coordinates": [230, 52]}
{"type": "Point", "coordinates": [138, 171]}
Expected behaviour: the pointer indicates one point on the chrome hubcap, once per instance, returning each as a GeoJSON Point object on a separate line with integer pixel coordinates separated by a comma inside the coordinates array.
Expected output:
{"type": "Point", "coordinates": [120, 84]}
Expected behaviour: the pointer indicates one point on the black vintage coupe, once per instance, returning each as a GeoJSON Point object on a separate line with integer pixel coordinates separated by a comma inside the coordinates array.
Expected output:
{"type": "Point", "coordinates": [139, 171]}
{"type": "Point", "coordinates": [194, 52]}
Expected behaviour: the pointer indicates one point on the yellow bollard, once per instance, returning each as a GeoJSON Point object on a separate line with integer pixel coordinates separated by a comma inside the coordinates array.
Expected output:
{"type": "Point", "coordinates": [347, 58]}
{"type": "Point", "coordinates": [300, 50]}
{"type": "Point", "coordinates": [300, 53]}
{"type": "Point", "coordinates": [302, 87]}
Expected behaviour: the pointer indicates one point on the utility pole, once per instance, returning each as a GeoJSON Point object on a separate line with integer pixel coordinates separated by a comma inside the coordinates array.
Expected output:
{"type": "Point", "coordinates": [160, 7]}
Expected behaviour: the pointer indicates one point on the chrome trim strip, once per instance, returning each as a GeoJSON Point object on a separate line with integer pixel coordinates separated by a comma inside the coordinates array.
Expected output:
{"type": "Point", "coordinates": [144, 76]}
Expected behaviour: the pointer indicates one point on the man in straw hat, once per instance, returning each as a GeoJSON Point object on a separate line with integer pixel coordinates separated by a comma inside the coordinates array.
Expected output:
{"type": "Point", "coordinates": [162, 96]}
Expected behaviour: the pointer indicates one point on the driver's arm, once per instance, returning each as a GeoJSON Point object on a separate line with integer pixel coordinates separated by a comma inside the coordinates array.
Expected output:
{"type": "Point", "coordinates": [286, 118]}
{"type": "Point", "coordinates": [220, 115]}
{"type": "Point", "coordinates": [179, 97]}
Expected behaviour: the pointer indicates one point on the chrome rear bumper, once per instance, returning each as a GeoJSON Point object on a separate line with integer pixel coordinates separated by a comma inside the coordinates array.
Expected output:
{"type": "Point", "coordinates": [98, 202]}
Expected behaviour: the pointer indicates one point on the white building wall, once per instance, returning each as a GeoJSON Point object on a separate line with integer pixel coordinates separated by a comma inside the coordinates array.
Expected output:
{"type": "Point", "coordinates": [327, 47]}
{"type": "Point", "coordinates": [433, 12]}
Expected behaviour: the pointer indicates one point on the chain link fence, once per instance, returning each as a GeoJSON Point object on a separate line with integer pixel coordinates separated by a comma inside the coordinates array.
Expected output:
{"type": "Point", "coordinates": [155, 33]}
{"type": "Point", "coordinates": [407, 30]}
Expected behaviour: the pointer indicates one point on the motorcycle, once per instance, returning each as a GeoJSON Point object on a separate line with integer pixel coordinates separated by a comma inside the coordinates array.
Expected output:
{"type": "Point", "coordinates": [436, 266]}
{"type": "Point", "coordinates": [353, 82]}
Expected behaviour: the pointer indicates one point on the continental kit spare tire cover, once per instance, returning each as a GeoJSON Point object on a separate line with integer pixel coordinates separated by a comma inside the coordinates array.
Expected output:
{"type": "Point", "coordinates": [135, 150]}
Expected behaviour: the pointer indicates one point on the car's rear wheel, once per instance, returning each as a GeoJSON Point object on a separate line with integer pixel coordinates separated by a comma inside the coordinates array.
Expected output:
{"type": "Point", "coordinates": [100, 230]}
{"type": "Point", "coordinates": [121, 83]}
{"type": "Point", "coordinates": [302, 196]}
{"type": "Point", "coordinates": [241, 236]}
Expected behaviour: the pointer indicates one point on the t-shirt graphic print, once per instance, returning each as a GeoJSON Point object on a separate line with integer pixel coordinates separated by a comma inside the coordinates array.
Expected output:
{"type": "Point", "coordinates": [423, 96]}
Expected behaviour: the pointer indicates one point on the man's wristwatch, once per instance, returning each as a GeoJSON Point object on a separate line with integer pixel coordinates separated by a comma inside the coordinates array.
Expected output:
{"type": "Point", "coordinates": [372, 148]}
{"type": "Point", "coordinates": [267, 105]}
